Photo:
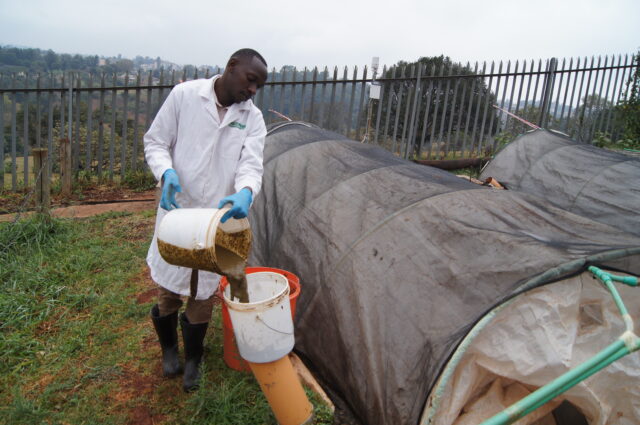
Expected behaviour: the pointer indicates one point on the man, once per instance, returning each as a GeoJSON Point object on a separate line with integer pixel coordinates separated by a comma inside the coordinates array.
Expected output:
{"type": "Point", "coordinates": [205, 145]}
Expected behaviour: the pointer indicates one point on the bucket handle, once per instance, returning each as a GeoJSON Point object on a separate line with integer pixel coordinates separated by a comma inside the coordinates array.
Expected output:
{"type": "Point", "coordinates": [275, 330]}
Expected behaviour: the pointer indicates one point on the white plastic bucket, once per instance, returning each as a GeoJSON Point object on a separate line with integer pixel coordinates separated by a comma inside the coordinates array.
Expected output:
{"type": "Point", "coordinates": [199, 230]}
{"type": "Point", "coordinates": [263, 327]}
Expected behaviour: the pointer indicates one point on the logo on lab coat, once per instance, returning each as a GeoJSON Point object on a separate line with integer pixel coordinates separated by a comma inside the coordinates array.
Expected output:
{"type": "Point", "coordinates": [237, 125]}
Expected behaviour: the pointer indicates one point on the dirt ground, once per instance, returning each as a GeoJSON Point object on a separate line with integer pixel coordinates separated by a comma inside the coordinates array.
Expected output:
{"type": "Point", "coordinates": [89, 202]}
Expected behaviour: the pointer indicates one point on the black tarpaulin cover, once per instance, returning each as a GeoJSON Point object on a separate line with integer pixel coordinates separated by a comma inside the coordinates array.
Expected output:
{"type": "Point", "coordinates": [581, 178]}
{"type": "Point", "coordinates": [398, 260]}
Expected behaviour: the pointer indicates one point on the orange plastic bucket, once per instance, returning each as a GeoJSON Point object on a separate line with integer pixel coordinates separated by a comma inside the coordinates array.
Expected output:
{"type": "Point", "coordinates": [231, 355]}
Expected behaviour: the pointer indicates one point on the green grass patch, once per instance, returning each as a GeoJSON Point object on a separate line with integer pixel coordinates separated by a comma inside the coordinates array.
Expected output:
{"type": "Point", "coordinates": [76, 342]}
{"type": "Point", "coordinates": [139, 180]}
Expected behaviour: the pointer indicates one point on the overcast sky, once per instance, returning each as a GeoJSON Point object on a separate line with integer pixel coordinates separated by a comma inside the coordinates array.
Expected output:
{"type": "Point", "coordinates": [329, 32]}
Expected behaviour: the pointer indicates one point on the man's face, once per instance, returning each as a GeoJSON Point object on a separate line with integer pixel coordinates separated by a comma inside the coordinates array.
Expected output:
{"type": "Point", "coordinates": [245, 78]}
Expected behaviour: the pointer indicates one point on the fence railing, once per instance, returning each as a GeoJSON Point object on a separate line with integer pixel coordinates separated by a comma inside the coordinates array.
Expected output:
{"type": "Point", "coordinates": [432, 109]}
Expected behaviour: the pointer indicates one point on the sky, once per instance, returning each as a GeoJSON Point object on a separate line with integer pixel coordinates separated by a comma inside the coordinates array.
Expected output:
{"type": "Point", "coordinates": [325, 33]}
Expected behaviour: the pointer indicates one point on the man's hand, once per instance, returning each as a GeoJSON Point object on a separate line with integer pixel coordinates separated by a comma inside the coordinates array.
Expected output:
{"type": "Point", "coordinates": [170, 185]}
{"type": "Point", "coordinates": [240, 204]}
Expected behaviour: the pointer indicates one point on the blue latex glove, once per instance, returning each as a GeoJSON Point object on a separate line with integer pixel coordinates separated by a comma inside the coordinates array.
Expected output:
{"type": "Point", "coordinates": [170, 185]}
{"type": "Point", "coordinates": [240, 204]}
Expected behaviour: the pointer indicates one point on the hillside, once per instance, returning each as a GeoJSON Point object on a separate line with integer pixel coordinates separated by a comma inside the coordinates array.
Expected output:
{"type": "Point", "coordinates": [33, 60]}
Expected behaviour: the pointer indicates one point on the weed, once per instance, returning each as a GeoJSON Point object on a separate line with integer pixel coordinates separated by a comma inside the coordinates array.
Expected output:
{"type": "Point", "coordinates": [603, 140]}
{"type": "Point", "coordinates": [139, 180]}
{"type": "Point", "coordinates": [33, 233]}
{"type": "Point", "coordinates": [24, 411]}
{"type": "Point", "coordinates": [84, 179]}
{"type": "Point", "coordinates": [321, 412]}
{"type": "Point", "coordinates": [473, 172]}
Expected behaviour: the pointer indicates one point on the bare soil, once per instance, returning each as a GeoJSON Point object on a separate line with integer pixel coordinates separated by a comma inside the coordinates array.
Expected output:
{"type": "Point", "coordinates": [91, 201]}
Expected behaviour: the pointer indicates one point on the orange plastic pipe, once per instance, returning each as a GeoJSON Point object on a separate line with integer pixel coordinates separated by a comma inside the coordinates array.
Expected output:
{"type": "Point", "coordinates": [284, 392]}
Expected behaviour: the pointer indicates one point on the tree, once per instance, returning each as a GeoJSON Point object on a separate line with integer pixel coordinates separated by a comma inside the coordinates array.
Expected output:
{"type": "Point", "coordinates": [51, 59]}
{"type": "Point", "coordinates": [468, 102]}
{"type": "Point", "coordinates": [589, 117]}
{"type": "Point", "coordinates": [629, 108]}
{"type": "Point", "coordinates": [124, 65]}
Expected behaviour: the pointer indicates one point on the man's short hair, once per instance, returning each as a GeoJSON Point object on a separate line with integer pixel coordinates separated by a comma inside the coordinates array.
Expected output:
{"type": "Point", "coordinates": [248, 54]}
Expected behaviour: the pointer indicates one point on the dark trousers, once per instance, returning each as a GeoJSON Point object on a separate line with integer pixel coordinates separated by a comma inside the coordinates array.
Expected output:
{"type": "Point", "coordinates": [197, 311]}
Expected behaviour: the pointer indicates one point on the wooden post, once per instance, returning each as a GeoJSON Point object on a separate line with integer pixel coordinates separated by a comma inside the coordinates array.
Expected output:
{"type": "Point", "coordinates": [43, 180]}
{"type": "Point", "coordinates": [65, 167]}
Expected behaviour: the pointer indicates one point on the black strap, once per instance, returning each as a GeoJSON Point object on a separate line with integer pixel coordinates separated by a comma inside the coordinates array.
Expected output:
{"type": "Point", "coordinates": [194, 283]}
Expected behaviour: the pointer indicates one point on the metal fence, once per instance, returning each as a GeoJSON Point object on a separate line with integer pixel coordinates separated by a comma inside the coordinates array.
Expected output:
{"type": "Point", "coordinates": [446, 110]}
{"type": "Point", "coordinates": [432, 109]}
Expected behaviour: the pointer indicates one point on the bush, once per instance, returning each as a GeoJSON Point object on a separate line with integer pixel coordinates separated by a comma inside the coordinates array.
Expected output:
{"type": "Point", "coordinates": [603, 140]}
{"type": "Point", "coordinates": [139, 180]}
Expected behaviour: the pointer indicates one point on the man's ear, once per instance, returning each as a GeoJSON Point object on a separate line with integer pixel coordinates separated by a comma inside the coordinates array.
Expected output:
{"type": "Point", "coordinates": [232, 64]}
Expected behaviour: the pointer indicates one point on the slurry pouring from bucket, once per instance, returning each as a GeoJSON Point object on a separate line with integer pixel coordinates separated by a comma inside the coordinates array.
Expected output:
{"type": "Point", "coordinates": [233, 267]}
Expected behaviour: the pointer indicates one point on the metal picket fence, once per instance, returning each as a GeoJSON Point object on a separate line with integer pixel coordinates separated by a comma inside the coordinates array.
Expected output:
{"type": "Point", "coordinates": [433, 109]}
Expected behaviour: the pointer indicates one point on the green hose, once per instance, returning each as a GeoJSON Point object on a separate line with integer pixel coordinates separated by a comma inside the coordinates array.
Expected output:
{"type": "Point", "coordinates": [627, 343]}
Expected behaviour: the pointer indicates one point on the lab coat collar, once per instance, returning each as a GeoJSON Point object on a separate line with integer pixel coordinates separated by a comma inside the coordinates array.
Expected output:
{"type": "Point", "coordinates": [206, 92]}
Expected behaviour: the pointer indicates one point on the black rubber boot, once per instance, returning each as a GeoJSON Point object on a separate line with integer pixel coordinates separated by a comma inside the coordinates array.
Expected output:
{"type": "Point", "coordinates": [193, 337]}
{"type": "Point", "coordinates": [167, 330]}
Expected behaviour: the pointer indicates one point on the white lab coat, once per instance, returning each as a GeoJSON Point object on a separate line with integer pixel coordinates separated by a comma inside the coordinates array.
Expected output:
{"type": "Point", "coordinates": [212, 160]}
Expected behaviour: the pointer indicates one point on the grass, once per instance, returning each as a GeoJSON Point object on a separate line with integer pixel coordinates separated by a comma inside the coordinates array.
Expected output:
{"type": "Point", "coordinates": [452, 154]}
{"type": "Point", "coordinates": [138, 180]}
{"type": "Point", "coordinates": [76, 342]}
{"type": "Point", "coordinates": [19, 171]}
{"type": "Point", "coordinates": [473, 172]}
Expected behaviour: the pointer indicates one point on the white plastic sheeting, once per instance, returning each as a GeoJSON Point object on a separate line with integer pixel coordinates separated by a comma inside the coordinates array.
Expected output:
{"type": "Point", "coordinates": [537, 337]}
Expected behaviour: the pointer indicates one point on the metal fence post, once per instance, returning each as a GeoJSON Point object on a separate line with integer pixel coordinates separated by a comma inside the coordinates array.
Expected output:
{"type": "Point", "coordinates": [76, 139]}
{"type": "Point", "coordinates": [313, 93]}
{"type": "Point", "coordinates": [379, 102]}
{"type": "Point", "coordinates": [123, 139]}
{"type": "Point", "coordinates": [89, 138]}
{"type": "Point", "coordinates": [549, 80]}
{"type": "Point", "coordinates": [112, 130]}
{"type": "Point", "coordinates": [361, 113]}
{"type": "Point", "coordinates": [70, 115]}
{"type": "Point", "coordinates": [14, 135]}
{"type": "Point", "coordinates": [101, 128]}
{"type": "Point", "coordinates": [25, 133]}
{"type": "Point", "coordinates": [65, 166]}
{"type": "Point", "coordinates": [412, 122]}
{"type": "Point", "coordinates": [304, 86]}
{"type": "Point", "coordinates": [351, 101]}
{"type": "Point", "coordinates": [50, 102]}
{"type": "Point", "coordinates": [136, 141]}
{"type": "Point", "coordinates": [38, 116]}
